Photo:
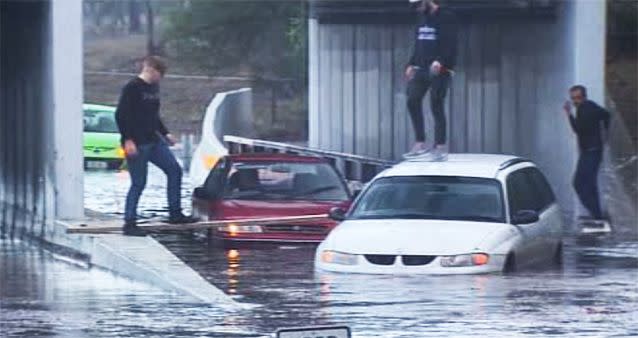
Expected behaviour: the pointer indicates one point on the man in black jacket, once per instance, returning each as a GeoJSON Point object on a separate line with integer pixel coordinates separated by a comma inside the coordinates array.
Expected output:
{"type": "Point", "coordinates": [430, 67]}
{"type": "Point", "coordinates": [146, 139]}
{"type": "Point", "coordinates": [591, 125]}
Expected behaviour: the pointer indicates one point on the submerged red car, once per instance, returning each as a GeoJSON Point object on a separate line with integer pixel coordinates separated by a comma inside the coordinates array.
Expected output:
{"type": "Point", "coordinates": [265, 185]}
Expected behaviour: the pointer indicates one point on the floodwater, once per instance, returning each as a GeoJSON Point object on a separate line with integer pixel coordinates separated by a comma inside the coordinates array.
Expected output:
{"type": "Point", "coordinates": [595, 294]}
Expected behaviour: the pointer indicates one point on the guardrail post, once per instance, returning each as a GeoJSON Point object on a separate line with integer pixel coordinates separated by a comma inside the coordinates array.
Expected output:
{"type": "Point", "coordinates": [187, 150]}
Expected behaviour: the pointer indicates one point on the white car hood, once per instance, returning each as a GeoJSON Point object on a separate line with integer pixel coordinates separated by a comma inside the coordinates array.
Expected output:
{"type": "Point", "coordinates": [410, 237]}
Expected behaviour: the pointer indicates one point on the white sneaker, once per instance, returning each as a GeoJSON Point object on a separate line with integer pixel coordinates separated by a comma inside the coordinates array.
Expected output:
{"type": "Point", "coordinates": [418, 150]}
{"type": "Point", "coordinates": [440, 153]}
{"type": "Point", "coordinates": [437, 154]}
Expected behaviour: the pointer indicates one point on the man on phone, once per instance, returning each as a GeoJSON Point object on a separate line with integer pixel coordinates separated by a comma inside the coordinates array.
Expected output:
{"type": "Point", "coordinates": [591, 125]}
{"type": "Point", "coordinates": [146, 139]}
{"type": "Point", "coordinates": [430, 68]}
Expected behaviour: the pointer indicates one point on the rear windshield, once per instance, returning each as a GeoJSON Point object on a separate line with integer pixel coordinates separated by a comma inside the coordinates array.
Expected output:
{"type": "Point", "coordinates": [99, 122]}
{"type": "Point", "coordinates": [432, 197]}
{"type": "Point", "coordinates": [284, 181]}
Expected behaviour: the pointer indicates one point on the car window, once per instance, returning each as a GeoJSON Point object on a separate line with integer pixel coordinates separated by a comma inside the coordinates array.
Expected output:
{"type": "Point", "coordinates": [100, 122]}
{"type": "Point", "coordinates": [280, 180]}
{"type": "Point", "coordinates": [527, 189]}
{"type": "Point", "coordinates": [543, 189]}
{"type": "Point", "coordinates": [519, 192]}
{"type": "Point", "coordinates": [432, 197]}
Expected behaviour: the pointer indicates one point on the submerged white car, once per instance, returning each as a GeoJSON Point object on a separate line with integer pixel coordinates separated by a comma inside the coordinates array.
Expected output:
{"type": "Point", "coordinates": [474, 213]}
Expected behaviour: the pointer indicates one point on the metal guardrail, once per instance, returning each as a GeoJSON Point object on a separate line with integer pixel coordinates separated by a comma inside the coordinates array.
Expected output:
{"type": "Point", "coordinates": [352, 167]}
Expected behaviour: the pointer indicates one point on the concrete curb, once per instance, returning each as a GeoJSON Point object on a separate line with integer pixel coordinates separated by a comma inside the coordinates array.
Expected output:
{"type": "Point", "coordinates": [142, 259]}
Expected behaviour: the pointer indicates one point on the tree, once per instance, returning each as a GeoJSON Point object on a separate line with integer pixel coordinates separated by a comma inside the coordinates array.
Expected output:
{"type": "Point", "coordinates": [134, 13]}
{"type": "Point", "coordinates": [150, 29]}
{"type": "Point", "coordinates": [266, 37]}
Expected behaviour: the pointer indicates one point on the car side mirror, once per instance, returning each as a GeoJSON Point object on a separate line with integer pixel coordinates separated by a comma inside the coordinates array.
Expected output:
{"type": "Point", "coordinates": [525, 217]}
{"type": "Point", "coordinates": [337, 214]}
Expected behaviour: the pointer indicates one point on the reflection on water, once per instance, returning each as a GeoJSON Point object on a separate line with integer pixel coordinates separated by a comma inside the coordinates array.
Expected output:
{"type": "Point", "coordinates": [596, 294]}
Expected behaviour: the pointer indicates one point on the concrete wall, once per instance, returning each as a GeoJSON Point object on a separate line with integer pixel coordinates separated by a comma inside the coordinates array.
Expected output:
{"type": "Point", "coordinates": [40, 113]}
{"type": "Point", "coordinates": [510, 83]}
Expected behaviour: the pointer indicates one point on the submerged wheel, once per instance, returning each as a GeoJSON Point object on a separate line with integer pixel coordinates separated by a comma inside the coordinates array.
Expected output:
{"type": "Point", "coordinates": [510, 263]}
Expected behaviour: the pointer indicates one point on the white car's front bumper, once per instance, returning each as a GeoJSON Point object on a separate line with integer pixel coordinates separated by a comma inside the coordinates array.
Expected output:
{"type": "Point", "coordinates": [494, 265]}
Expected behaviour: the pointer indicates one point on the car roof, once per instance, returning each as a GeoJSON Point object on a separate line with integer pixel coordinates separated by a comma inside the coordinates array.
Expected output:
{"type": "Point", "coordinates": [468, 165]}
{"type": "Point", "coordinates": [274, 157]}
{"type": "Point", "coordinates": [98, 107]}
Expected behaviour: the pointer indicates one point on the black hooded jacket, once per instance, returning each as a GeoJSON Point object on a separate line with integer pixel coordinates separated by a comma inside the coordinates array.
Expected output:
{"type": "Point", "coordinates": [435, 39]}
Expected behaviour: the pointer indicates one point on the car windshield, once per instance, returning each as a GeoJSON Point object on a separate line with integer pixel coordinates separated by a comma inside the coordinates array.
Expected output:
{"type": "Point", "coordinates": [284, 181]}
{"type": "Point", "coordinates": [432, 197]}
{"type": "Point", "coordinates": [99, 122]}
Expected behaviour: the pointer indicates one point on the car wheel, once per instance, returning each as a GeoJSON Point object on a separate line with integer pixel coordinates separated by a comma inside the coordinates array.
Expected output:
{"type": "Point", "coordinates": [510, 263]}
{"type": "Point", "coordinates": [558, 255]}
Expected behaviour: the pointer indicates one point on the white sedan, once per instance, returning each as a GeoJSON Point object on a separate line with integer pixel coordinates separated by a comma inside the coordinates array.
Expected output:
{"type": "Point", "coordinates": [471, 214]}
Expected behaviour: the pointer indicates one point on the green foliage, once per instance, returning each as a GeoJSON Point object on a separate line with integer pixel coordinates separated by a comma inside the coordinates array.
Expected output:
{"type": "Point", "coordinates": [265, 38]}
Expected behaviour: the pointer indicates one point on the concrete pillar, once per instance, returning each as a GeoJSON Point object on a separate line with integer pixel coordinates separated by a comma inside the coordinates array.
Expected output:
{"type": "Point", "coordinates": [590, 31]}
{"type": "Point", "coordinates": [67, 145]}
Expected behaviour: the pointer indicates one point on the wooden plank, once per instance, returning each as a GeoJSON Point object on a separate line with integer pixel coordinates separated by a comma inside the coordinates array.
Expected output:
{"type": "Point", "coordinates": [106, 226]}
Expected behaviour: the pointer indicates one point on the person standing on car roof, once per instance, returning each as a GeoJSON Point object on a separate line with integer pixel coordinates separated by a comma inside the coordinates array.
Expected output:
{"type": "Point", "coordinates": [146, 139]}
{"type": "Point", "coordinates": [591, 125]}
{"type": "Point", "coordinates": [429, 68]}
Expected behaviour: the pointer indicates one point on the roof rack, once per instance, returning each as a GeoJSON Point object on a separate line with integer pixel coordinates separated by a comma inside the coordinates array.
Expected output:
{"type": "Point", "coordinates": [512, 162]}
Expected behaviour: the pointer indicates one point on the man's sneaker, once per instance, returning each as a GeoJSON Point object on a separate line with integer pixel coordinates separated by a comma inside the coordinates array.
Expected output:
{"type": "Point", "coordinates": [131, 229]}
{"type": "Point", "coordinates": [182, 219]}
{"type": "Point", "coordinates": [437, 154]}
{"type": "Point", "coordinates": [440, 153]}
{"type": "Point", "coordinates": [418, 150]}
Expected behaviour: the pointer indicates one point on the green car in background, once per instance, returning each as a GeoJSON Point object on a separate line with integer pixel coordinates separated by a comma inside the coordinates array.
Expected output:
{"type": "Point", "coordinates": [102, 148]}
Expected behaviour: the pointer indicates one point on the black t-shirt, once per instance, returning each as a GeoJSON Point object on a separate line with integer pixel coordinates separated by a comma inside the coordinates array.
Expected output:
{"type": "Point", "coordinates": [137, 112]}
{"type": "Point", "coordinates": [435, 39]}
{"type": "Point", "coordinates": [588, 123]}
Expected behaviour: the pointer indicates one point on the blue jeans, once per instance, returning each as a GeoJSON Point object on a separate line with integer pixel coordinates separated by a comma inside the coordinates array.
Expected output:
{"type": "Point", "coordinates": [158, 154]}
{"type": "Point", "coordinates": [586, 181]}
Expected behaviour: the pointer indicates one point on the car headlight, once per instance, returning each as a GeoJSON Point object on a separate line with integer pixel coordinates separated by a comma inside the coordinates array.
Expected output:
{"type": "Point", "coordinates": [234, 229]}
{"type": "Point", "coordinates": [335, 257]}
{"type": "Point", "coordinates": [465, 260]}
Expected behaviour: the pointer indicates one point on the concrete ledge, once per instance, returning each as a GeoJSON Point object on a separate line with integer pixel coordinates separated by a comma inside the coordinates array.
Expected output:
{"type": "Point", "coordinates": [142, 259]}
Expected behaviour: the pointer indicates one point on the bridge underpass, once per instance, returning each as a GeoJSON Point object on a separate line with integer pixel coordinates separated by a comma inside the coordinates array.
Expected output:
{"type": "Point", "coordinates": [41, 143]}
{"type": "Point", "coordinates": [41, 169]}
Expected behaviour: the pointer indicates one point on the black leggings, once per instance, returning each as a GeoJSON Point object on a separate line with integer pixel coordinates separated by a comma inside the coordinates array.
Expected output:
{"type": "Point", "coordinates": [417, 88]}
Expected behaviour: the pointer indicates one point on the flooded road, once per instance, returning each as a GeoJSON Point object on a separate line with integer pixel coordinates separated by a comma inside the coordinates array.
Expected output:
{"type": "Point", "coordinates": [595, 294]}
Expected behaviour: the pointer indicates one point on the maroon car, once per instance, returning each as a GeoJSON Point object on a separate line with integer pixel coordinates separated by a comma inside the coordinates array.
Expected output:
{"type": "Point", "coordinates": [265, 185]}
